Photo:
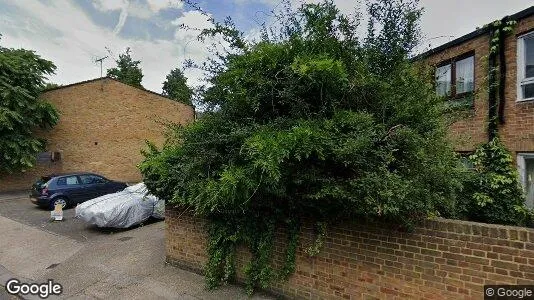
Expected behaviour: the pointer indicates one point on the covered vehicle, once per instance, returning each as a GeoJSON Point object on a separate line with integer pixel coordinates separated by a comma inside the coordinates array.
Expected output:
{"type": "Point", "coordinates": [123, 209]}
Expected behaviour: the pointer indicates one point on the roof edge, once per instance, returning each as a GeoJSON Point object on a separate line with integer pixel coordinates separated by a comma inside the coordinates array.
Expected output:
{"type": "Point", "coordinates": [474, 34]}
{"type": "Point", "coordinates": [107, 77]}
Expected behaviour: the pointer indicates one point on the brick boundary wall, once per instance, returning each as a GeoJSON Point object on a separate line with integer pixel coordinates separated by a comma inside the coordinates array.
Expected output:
{"type": "Point", "coordinates": [441, 259]}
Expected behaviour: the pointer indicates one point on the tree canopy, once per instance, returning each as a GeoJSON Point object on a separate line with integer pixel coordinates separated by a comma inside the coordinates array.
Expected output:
{"type": "Point", "coordinates": [50, 85]}
{"type": "Point", "coordinates": [127, 70]}
{"type": "Point", "coordinates": [176, 88]}
{"type": "Point", "coordinates": [22, 78]}
{"type": "Point", "coordinates": [309, 122]}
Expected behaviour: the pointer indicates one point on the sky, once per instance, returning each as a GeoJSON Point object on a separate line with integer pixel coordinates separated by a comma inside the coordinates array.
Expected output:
{"type": "Point", "coordinates": [74, 33]}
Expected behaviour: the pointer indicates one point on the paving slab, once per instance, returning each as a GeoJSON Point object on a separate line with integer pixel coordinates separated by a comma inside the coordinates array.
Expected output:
{"type": "Point", "coordinates": [131, 265]}
{"type": "Point", "coordinates": [28, 251]}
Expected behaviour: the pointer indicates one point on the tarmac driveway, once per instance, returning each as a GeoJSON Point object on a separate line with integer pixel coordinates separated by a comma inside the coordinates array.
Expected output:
{"type": "Point", "coordinates": [91, 263]}
{"type": "Point", "coordinates": [17, 207]}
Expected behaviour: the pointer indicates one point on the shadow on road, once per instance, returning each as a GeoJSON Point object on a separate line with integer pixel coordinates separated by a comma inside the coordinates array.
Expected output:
{"type": "Point", "coordinates": [108, 230]}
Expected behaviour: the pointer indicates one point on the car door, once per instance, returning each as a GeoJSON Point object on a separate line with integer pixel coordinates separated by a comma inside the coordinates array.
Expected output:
{"type": "Point", "coordinates": [71, 187]}
{"type": "Point", "coordinates": [109, 185]}
{"type": "Point", "coordinates": [92, 189]}
{"type": "Point", "coordinates": [97, 185]}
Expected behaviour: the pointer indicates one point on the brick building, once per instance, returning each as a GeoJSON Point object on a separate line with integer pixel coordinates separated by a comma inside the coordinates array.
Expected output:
{"type": "Point", "coordinates": [102, 128]}
{"type": "Point", "coordinates": [462, 76]}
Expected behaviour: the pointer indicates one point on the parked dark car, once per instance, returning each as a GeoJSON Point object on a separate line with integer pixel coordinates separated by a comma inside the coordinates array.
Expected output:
{"type": "Point", "coordinates": [71, 189]}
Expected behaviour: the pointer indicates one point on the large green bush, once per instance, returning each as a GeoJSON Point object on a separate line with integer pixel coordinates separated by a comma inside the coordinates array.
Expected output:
{"type": "Point", "coordinates": [310, 122]}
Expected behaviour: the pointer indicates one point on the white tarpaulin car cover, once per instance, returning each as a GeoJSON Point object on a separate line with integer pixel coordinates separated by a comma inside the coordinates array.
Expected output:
{"type": "Point", "coordinates": [123, 209]}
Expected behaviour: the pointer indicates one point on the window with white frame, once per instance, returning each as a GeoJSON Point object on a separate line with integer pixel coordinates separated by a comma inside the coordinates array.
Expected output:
{"type": "Point", "coordinates": [525, 164]}
{"type": "Point", "coordinates": [443, 80]}
{"type": "Point", "coordinates": [525, 67]}
{"type": "Point", "coordinates": [465, 75]}
{"type": "Point", "coordinates": [456, 78]}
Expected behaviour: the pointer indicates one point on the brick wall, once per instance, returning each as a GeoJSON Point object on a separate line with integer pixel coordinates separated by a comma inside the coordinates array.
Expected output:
{"type": "Point", "coordinates": [518, 130]}
{"type": "Point", "coordinates": [102, 128]}
{"type": "Point", "coordinates": [468, 132]}
{"type": "Point", "coordinates": [442, 259]}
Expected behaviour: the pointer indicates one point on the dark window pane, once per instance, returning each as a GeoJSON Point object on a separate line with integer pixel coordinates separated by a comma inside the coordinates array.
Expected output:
{"type": "Point", "coordinates": [92, 179]}
{"type": "Point", "coordinates": [529, 181]}
{"type": "Point", "coordinates": [529, 57]}
{"type": "Point", "coordinates": [62, 181]}
{"type": "Point", "coordinates": [528, 91]}
{"type": "Point", "coordinates": [464, 160]}
{"type": "Point", "coordinates": [86, 179]}
{"type": "Point", "coordinates": [99, 179]}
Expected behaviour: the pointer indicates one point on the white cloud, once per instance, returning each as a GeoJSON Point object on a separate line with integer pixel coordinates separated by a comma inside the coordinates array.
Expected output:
{"type": "Point", "coordinates": [443, 21]}
{"type": "Point", "coordinates": [60, 31]}
{"type": "Point", "coordinates": [77, 41]}
{"type": "Point", "coordinates": [193, 19]}
{"type": "Point", "coordinates": [268, 2]}
{"type": "Point", "coordinates": [157, 5]}
{"type": "Point", "coordinates": [122, 17]}
{"type": "Point", "coordinates": [135, 8]}
{"type": "Point", "coordinates": [253, 35]}
{"type": "Point", "coordinates": [154, 5]}
{"type": "Point", "coordinates": [191, 47]}
{"type": "Point", "coordinates": [105, 5]}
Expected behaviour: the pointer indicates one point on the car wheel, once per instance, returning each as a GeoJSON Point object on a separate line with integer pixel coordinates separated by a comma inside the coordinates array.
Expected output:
{"type": "Point", "coordinates": [62, 201]}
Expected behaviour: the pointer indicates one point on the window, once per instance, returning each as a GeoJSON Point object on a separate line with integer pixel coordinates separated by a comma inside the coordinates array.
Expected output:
{"type": "Point", "coordinates": [461, 72]}
{"type": "Point", "coordinates": [92, 179]}
{"type": "Point", "coordinates": [70, 180]}
{"type": "Point", "coordinates": [465, 76]}
{"type": "Point", "coordinates": [525, 164]}
{"type": "Point", "coordinates": [443, 80]}
{"type": "Point", "coordinates": [44, 158]}
{"type": "Point", "coordinates": [465, 161]}
{"type": "Point", "coordinates": [525, 67]}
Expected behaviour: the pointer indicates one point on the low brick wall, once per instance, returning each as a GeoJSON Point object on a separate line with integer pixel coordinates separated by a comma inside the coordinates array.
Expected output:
{"type": "Point", "coordinates": [442, 259]}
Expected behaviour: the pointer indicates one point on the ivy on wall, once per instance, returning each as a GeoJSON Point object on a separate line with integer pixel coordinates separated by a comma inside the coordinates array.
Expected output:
{"type": "Point", "coordinates": [492, 191]}
{"type": "Point", "coordinates": [497, 73]}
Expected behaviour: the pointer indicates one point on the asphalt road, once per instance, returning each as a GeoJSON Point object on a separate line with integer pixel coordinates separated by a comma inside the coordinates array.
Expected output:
{"type": "Point", "coordinates": [5, 296]}
{"type": "Point", "coordinates": [92, 263]}
{"type": "Point", "coordinates": [18, 207]}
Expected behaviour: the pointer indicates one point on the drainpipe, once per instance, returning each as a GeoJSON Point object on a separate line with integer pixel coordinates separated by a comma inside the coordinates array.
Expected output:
{"type": "Point", "coordinates": [492, 94]}
{"type": "Point", "coordinates": [502, 71]}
